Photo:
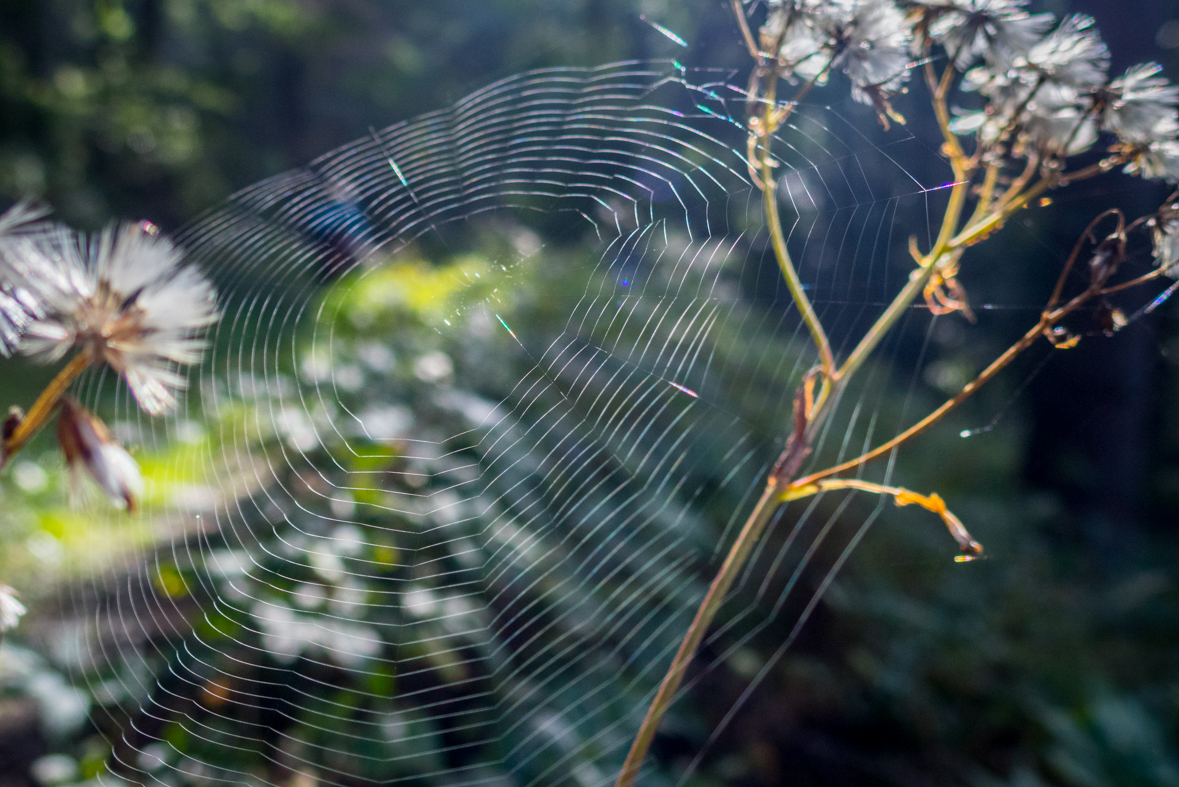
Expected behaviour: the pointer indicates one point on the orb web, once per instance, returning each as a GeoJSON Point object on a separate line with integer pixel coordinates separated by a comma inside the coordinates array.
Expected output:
{"type": "Point", "coordinates": [492, 393]}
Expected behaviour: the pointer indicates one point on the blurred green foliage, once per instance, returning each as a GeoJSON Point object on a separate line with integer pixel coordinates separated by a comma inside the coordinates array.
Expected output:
{"type": "Point", "coordinates": [160, 108]}
{"type": "Point", "coordinates": [283, 599]}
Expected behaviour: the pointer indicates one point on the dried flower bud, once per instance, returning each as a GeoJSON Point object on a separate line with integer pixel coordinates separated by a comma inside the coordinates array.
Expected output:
{"type": "Point", "coordinates": [11, 610]}
{"type": "Point", "coordinates": [88, 445]}
{"type": "Point", "coordinates": [1105, 260]}
{"type": "Point", "coordinates": [7, 430]}
{"type": "Point", "coordinates": [1108, 319]}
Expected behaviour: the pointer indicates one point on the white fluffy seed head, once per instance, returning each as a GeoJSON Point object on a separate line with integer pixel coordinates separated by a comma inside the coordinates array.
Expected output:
{"type": "Point", "coordinates": [125, 298]}
{"type": "Point", "coordinates": [868, 40]}
{"type": "Point", "coordinates": [998, 31]}
{"type": "Point", "coordinates": [1072, 54]}
{"type": "Point", "coordinates": [1140, 104]}
{"type": "Point", "coordinates": [20, 222]}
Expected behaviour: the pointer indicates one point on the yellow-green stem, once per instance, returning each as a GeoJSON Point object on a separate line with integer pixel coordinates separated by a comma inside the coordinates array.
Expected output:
{"type": "Point", "coordinates": [911, 290]}
{"type": "Point", "coordinates": [768, 503]}
{"type": "Point", "coordinates": [976, 231]}
{"type": "Point", "coordinates": [939, 88]}
{"type": "Point", "coordinates": [782, 254]}
{"type": "Point", "coordinates": [43, 407]}
{"type": "Point", "coordinates": [738, 553]}
{"type": "Point", "coordinates": [1046, 322]}
{"type": "Point", "coordinates": [977, 227]}
{"type": "Point", "coordinates": [985, 193]}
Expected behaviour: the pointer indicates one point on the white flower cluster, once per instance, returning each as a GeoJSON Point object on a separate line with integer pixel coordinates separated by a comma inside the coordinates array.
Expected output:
{"type": "Point", "coordinates": [1047, 89]}
{"type": "Point", "coordinates": [121, 297]}
{"type": "Point", "coordinates": [17, 305]}
{"type": "Point", "coordinates": [868, 40]}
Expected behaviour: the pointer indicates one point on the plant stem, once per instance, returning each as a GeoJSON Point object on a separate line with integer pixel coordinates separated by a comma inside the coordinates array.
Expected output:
{"type": "Point", "coordinates": [911, 290]}
{"type": "Point", "coordinates": [1076, 252]}
{"type": "Point", "coordinates": [834, 378]}
{"type": "Point", "coordinates": [771, 498]}
{"type": "Point", "coordinates": [985, 194]}
{"type": "Point", "coordinates": [754, 525]}
{"type": "Point", "coordinates": [1047, 320]}
{"type": "Point", "coordinates": [746, 33]}
{"type": "Point", "coordinates": [781, 253]}
{"type": "Point", "coordinates": [44, 405]}
{"type": "Point", "coordinates": [1126, 285]}
{"type": "Point", "coordinates": [976, 231]}
{"type": "Point", "coordinates": [902, 497]}
{"type": "Point", "coordinates": [938, 89]}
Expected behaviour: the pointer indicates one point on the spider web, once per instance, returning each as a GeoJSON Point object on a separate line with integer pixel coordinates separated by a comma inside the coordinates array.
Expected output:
{"type": "Point", "coordinates": [493, 391]}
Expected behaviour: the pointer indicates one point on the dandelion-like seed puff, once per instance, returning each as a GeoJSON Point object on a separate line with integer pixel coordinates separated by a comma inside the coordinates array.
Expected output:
{"type": "Point", "coordinates": [17, 306]}
{"type": "Point", "coordinates": [122, 297]}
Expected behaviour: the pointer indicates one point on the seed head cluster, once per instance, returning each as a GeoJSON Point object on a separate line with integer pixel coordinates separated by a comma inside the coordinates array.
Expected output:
{"type": "Point", "coordinates": [1041, 90]}
{"type": "Point", "coordinates": [867, 41]}
{"type": "Point", "coordinates": [122, 298]}
{"type": "Point", "coordinates": [17, 305]}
